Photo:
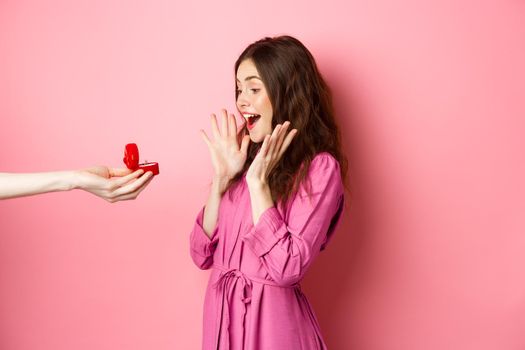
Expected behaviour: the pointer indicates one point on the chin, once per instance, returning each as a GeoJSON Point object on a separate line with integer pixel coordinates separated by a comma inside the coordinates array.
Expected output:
{"type": "Point", "coordinates": [256, 138]}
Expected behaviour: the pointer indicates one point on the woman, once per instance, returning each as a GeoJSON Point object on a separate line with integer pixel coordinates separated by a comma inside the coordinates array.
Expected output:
{"type": "Point", "coordinates": [273, 204]}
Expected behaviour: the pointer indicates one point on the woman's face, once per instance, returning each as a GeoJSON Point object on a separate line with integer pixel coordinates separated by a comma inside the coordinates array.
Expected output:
{"type": "Point", "coordinates": [253, 101]}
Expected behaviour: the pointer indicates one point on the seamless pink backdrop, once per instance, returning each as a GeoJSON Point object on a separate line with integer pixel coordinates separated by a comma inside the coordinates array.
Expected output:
{"type": "Point", "coordinates": [429, 96]}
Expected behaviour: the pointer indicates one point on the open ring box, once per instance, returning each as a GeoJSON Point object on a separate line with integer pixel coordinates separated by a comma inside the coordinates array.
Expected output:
{"type": "Point", "coordinates": [131, 159]}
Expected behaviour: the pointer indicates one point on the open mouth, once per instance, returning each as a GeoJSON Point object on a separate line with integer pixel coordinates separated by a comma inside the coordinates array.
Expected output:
{"type": "Point", "coordinates": [251, 119]}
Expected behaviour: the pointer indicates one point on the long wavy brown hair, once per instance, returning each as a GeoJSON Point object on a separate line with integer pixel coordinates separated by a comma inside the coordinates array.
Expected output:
{"type": "Point", "coordinates": [299, 94]}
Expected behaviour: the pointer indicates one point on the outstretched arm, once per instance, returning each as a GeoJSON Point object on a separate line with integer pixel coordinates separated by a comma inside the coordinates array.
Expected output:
{"type": "Point", "coordinates": [107, 183]}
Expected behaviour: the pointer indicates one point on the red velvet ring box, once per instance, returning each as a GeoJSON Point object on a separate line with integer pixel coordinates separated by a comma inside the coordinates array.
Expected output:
{"type": "Point", "coordinates": [131, 159]}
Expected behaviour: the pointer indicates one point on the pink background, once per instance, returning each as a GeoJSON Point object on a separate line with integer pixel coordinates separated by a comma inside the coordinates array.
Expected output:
{"type": "Point", "coordinates": [429, 96]}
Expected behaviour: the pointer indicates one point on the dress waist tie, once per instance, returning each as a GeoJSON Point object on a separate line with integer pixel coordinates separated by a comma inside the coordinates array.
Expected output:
{"type": "Point", "coordinates": [226, 283]}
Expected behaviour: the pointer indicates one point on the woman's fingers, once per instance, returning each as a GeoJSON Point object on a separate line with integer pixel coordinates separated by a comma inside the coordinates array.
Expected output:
{"type": "Point", "coordinates": [264, 148]}
{"type": "Point", "coordinates": [227, 128]}
{"type": "Point", "coordinates": [280, 137]}
{"type": "Point", "coordinates": [287, 141]}
{"type": "Point", "coordinates": [275, 145]}
{"type": "Point", "coordinates": [273, 138]}
{"type": "Point", "coordinates": [205, 138]}
{"type": "Point", "coordinates": [215, 127]}
{"type": "Point", "coordinates": [224, 123]}
{"type": "Point", "coordinates": [232, 127]}
{"type": "Point", "coordinates": [276, 141]}
{"type": "Point", "coordinates": [245, 143]}
{"type": "Point", "coordinates": [242, 126]}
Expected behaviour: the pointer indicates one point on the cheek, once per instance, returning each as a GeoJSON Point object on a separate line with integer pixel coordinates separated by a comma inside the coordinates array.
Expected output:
{"type": "Point", "coordinates": [267, 108]}
{"type": "Point", "coordinates": [268, 105]}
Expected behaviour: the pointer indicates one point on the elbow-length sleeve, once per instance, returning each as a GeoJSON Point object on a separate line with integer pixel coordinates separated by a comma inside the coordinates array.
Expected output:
{"type": "Point", "coordinates": [202, 246]}
{"type": "Point", "coordinates": [288, 247]}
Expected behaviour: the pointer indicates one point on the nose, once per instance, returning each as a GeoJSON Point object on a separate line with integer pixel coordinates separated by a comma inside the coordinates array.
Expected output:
{"type": "Point", "coordinates": [242, 101]}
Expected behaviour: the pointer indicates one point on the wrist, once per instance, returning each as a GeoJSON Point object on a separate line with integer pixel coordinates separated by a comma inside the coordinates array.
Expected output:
{"type": "Point", "coordinates": [257, 186]}
{"type": "Point", "coordinates": [60, 181]}
{"type": "Point", "coordinates": [73, 180]}
{"type": "Point", "coordinates": [261, 199]}
{"type": "Point", "coordinates": [219, 184]}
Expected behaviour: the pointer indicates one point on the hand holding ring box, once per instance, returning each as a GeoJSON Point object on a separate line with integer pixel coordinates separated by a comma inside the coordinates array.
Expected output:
{"type": "Point", "coordinates": [131, 159]}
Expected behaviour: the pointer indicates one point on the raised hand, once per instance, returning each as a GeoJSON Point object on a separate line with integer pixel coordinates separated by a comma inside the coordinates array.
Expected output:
{"type": "Point", "coordinates": [271, 151]}
{"type": "Point", "coordinates": [228, 153]}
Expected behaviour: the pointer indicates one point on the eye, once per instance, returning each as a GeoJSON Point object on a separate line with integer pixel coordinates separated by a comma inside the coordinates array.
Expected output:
{"type": "Point", "coordinates": [255, 90]}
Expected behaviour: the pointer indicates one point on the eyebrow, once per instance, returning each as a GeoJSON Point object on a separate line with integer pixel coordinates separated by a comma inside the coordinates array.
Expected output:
{"type": "Point", "coordinates": [250, 78]}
